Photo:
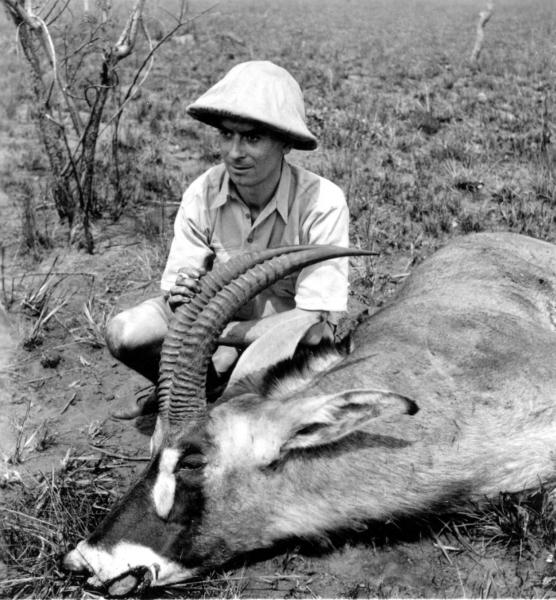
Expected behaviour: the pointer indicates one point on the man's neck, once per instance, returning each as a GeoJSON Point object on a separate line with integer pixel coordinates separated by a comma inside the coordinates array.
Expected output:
{"type": "Point", "coordinates": [257, 197]}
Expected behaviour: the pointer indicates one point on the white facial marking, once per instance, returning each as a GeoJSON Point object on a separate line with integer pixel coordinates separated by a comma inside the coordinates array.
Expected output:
{"type": "Point", "coordinates": [165, 486]}
{"type": "Point", "coordinates": [125, 556]}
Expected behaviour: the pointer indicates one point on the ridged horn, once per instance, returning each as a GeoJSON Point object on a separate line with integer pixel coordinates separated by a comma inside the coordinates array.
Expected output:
{"type": "Point", "coordinates": [186, 314]}
{"type": "Point", "coordinates": [230, 286]}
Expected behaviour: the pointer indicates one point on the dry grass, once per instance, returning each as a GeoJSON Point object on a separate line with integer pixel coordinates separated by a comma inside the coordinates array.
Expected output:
{"type": "Point", "coordinates": [521, 523]}
{"type": "Point", "coordinates": [95, 316]}
{"type": "Point", "coordinates": [41, 303]}
{"type": "Point", "coordinates": [424, 147]}
{"type": "Point", "coordinates": [37, 523]}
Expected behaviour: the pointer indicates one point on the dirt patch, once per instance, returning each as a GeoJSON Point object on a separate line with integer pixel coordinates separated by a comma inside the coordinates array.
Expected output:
{"type": "Point", "coordinates": [64, 383]}
{"type": "Point", "coordinates": [367, 83]}
{"type": "Point", "coordinates": [64, 386]}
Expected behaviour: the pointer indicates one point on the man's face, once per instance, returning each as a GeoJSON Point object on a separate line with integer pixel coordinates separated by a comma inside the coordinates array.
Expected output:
{"type": "Point", "coordinates": [252, 157]}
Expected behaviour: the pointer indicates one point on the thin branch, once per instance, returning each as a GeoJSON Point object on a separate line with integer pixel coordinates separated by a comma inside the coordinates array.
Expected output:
{"type": "Point", "coordinates": [126, 42]}
{"type": "Point", "coordinates": [71, 158]}
{"type": "Point", "coordinates": [154, 49]}
{"type": "Point", "coordinates": [484, 18]}
{"type": "Point", "coordinates": [51, 53]}
{"type": "Point", "coordinates": [50, 10]}
{"type": "Point", "coordinates": [184, 9]}
{"type": "Point", "coordinates": [120, 456]}
{"type": "Point", "coordinates": [60, 12]}
{"type": "Point", "coordinates": [68, 56]}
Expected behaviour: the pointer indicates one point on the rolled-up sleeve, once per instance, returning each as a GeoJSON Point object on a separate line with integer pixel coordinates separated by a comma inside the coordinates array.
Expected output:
{"type": "Point", "coordinates": [324, 286]}
{"type": "Point", "coordinates": [191, 243]}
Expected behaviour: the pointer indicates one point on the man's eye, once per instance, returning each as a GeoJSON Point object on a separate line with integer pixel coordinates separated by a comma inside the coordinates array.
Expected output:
{"type": "Point", "coordinates": [253, 139]}
{"type": "Point", "coordinates": [226, 135]}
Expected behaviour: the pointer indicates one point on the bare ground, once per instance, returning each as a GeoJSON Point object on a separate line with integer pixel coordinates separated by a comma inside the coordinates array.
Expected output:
{"type": "Point", "coordinates": [63, 389]}
{"type": "Point", "coordinates": [58, 388]}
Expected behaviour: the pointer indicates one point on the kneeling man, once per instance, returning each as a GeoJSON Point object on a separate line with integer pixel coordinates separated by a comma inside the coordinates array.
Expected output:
{"type": "Point", "coordinates": [252, 201]}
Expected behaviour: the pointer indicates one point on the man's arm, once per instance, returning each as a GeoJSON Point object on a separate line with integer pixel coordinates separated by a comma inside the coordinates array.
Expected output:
{"type": "Point", "coordinates": [190, 251]}
{"type": "Point", "coordinates": [321, 288]}
{"type": "Point", "coordinates": [243, 333]}
{"type": "Point", "coordinates": [324, 286]}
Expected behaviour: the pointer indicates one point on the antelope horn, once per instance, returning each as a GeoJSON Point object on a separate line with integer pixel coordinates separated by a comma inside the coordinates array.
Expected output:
{"type": "Point", "coordinates": [186, 314]}
{"type": "Point", "coordinates": [231, 285]}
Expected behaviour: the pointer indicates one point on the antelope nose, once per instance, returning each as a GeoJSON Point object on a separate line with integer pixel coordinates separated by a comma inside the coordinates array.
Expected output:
{"type": "Point", "coordinates": [74, 561]}
{"type": "Point", "coordinates": [135, 580]}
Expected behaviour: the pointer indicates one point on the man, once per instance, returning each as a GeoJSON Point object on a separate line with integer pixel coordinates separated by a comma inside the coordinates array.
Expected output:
{"type": "Point", "coordinates": [252, 201]}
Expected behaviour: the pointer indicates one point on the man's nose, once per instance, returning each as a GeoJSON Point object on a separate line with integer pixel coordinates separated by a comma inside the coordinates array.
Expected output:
{"type": "Point", "coordinates": [236, 147]}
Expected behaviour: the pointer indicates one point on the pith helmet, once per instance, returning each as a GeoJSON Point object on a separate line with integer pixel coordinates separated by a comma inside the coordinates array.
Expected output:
{"type": "Point", "coordinates": [262, 92]}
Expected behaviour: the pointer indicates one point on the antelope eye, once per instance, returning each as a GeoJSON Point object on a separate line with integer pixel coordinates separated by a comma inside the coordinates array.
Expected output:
{"type": "Point", "coordinates": [192, 461]}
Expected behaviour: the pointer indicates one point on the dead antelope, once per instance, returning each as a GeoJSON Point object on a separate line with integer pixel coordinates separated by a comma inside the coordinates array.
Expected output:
{"type": "Point", "coordinates": [447, 394]}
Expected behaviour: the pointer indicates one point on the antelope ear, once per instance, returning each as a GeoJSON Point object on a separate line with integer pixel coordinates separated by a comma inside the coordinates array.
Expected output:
{"type": "Point", "coordinates": [326, 419]}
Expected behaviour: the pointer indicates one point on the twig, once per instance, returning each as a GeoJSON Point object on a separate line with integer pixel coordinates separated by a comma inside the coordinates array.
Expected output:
{"type": "Point", "coordinates": [120, 456]}
{"type": "Point", "coordinates": [67, 405]}
{"type": "Point", "coordinates": [147, 63]}
{"type": "Point", "coordinates": [60, 273]}
{"type": "Point", "coordinates": [484, 17]}
{"type": "Point", "coordinates": [49, 273]}
{"type": "Point", "coordinates": [60, 13]}
{"type": "Point", "coordinates": [7, 301]}
{"type": "Point", "coordinates": [45, 377]}
{"type": "Point", "coordinates": [28, 517]}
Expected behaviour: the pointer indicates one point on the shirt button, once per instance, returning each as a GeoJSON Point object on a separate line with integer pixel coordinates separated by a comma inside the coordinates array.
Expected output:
{"type": "Point", "coordinates": [250, 239]}
{"type": "Point", "coordinates": [248, 216]}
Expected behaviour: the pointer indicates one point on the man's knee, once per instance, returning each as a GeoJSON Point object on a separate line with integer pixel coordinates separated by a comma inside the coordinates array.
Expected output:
{"type": "Point", "coordinates": [224, 358]}
{"type": "Point", "coordinates": [137, 331]}
{"type": "Point", "coordinates": [116, 336]}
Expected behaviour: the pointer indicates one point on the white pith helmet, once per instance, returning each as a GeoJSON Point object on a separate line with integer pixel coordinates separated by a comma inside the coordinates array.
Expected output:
{"type": "Point", "coordinates": [261, 92]}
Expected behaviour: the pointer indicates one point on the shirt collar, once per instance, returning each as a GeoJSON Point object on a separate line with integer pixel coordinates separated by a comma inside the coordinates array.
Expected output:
{"type": "Point", "coordinates": [279, 201]}
{"type": "Point", "coordinates": [282, 194]}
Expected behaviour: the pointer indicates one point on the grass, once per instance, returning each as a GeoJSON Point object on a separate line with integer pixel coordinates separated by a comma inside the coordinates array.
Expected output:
{"type": "Point", "coordinates": [401, 117]}
{"type": "Point", "coordinates": [522, 523]}
{"type": "Point", "coordinates": [36, 524]}
{"type": "Point", "coordinates": [424, 147]}
{"type": "Point", "coordinates": [95, 317]}
{"type": "Point", "coordinates": [42, 303]}
{"type": "Point", "coordinates": [40, 522]}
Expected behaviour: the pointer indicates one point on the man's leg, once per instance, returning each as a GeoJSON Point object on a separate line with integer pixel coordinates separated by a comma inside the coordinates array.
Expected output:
{"type": "Point", "coordinates": [135, 337]}
{"type": "Point", "coordinates": [219, 370]}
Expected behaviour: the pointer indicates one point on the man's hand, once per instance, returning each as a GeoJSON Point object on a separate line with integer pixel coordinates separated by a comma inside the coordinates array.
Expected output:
{"type": "Point", "coordinates": [318, 333]}
{"type": "Point", "coordinates": [186, 286]}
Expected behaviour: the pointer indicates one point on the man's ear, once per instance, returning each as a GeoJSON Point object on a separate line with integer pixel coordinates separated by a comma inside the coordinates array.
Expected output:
{"type": "Point", "coordinates": [326, 419]}
{"type": "Point", "coordinates": [286, 149]}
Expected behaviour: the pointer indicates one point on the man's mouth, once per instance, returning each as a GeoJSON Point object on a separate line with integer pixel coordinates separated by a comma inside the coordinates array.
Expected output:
{"type": "Point", "coordinates": [239, 168]}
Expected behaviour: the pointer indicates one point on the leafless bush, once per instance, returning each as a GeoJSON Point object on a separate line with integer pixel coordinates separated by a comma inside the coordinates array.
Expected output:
{"type": "Point", "coordinates": [70, 86]}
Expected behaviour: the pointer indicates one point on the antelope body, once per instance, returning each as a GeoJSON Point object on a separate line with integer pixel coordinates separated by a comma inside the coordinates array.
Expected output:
{"type": "Point", "coordinates": [448, 395]}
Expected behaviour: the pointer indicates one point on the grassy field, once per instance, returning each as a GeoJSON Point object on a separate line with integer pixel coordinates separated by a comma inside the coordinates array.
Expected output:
{"type": "Point", "coordinates": [425, 148]}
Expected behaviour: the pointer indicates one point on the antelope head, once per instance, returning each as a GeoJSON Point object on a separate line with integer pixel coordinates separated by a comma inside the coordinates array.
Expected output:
{"type": "Point", "coordinates": [157, 534]}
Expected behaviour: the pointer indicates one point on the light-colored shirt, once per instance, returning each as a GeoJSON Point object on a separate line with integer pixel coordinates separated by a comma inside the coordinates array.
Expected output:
{"type": "Point", "coordinates": [213, 220]}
